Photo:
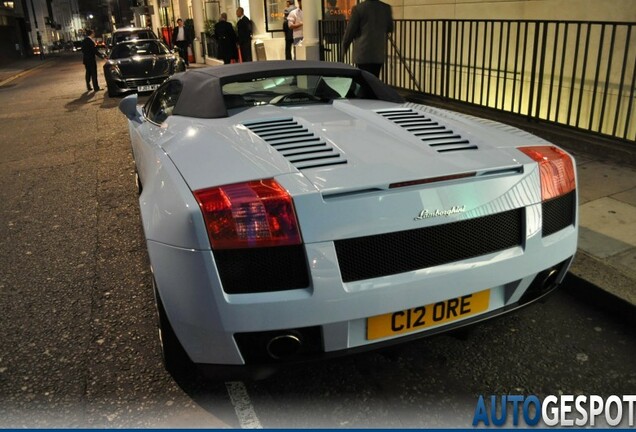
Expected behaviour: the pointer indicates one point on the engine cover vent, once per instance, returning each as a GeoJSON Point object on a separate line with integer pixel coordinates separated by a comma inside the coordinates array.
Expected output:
{"type": "Point", "coordinates": [301, 147]}
{"type": "Point", "coordinates": [439, 137]}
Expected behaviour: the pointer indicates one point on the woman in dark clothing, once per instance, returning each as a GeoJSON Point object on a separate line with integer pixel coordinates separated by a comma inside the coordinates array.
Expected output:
{"type": "Point", "coordinates": [226, 39]}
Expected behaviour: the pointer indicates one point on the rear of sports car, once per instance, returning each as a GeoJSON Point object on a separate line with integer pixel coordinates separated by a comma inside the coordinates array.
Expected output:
{"type": "Point", "coordinates": [359, 225]}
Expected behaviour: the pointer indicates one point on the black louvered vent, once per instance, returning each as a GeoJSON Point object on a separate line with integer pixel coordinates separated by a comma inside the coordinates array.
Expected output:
{"type": "Point", "coordinates": [392, 253]}
{"type": "Point", "coordinates": [294, 141]}
{"type": "Point", "coordinates": [437, 136]}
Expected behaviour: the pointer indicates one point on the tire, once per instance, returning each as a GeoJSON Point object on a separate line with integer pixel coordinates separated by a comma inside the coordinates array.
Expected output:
{"type": "Point", "coordinates": [111, 93]}
{"type": "Point", "coordinates": [175, 359]}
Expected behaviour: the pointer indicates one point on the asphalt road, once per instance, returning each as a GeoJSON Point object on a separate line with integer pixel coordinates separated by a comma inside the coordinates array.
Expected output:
{"type": "Point", "coordinates": [78, 338]}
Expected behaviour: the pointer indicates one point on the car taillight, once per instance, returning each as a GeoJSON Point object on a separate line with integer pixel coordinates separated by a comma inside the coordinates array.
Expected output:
{"type": "Point", "coordinates": [556, 170]}
{"type": "Point", "coordinates": [251, 214]}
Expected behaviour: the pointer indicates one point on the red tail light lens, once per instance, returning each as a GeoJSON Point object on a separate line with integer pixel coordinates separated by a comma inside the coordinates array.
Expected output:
{"type": "Point", "coordinates": [556, 170]}
{"type": "Point", "coordinates": [252, 214]}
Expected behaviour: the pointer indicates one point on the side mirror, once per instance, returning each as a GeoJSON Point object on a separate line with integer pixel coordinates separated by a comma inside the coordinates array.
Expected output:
{"type": "Point", "coordinates": [128, 106]}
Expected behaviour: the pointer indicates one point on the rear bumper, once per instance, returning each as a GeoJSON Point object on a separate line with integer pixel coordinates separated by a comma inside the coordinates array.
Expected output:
{"type": "Point", "coordinates": [261, 365]}
{"type": "Point", "coordinates": [216, 328]}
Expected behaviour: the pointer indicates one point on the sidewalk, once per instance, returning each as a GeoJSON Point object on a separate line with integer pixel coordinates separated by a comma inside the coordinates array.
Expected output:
{"type": "Point", "coordinates": [606, 254]}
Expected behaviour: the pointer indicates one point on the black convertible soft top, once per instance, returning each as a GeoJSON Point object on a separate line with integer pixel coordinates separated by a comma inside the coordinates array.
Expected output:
{"type": "Point", "coordinates": [202, 97]}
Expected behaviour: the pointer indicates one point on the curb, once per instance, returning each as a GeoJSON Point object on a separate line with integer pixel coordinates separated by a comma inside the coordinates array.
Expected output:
{"type": "Point", "coordinates": [586, 291]}
{"type": "Point", "coordinates": [603, 276]}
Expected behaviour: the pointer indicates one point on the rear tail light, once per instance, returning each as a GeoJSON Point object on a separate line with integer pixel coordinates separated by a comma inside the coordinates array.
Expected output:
{"type": "Point", "coordinates": [251, 214]}
{"type": "Point", "coordinates": [556, 170]}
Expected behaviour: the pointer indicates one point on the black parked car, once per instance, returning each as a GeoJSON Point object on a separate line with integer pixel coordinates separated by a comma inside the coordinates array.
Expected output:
{"type": "Point", "coordinates": [140, 65]}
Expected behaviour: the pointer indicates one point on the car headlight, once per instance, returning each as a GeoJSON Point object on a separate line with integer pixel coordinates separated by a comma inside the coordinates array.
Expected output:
{"type": "Point", "coordinates": [178, 65]}
{"type": "Point", "coordinates": [114, 70]}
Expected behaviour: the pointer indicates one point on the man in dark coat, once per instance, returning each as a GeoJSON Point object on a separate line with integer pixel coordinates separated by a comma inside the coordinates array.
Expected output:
{"type": "Point", "coordinates": [226, 39]}
{"type": "Point", "coordinates": [244, 30]}
{"type": "Point", "coordinates": [181, 39]}
{"type": "Point", "coordinates": [89, 51]}
{"type": "Point", "coordinates": [370, 23]}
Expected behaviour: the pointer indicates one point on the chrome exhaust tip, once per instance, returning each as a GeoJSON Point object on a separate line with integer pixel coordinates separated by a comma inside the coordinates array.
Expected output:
{"type": "Point", "coordinates": [550, 279]}
{"type": "Point", "coordinates": [283, 346]}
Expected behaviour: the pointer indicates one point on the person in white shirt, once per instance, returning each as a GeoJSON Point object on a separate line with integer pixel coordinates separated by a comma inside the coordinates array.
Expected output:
{"type": "Point", "coordinates": [295, 22]}
{"type": "Point", "coordinates": [181, 40]}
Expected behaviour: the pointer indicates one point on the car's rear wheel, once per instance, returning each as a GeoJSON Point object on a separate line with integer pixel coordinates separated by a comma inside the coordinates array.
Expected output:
{"type": "Point", "coordinates": [175, 358]}
{"type": "Point", "coordinates": [111, 92]}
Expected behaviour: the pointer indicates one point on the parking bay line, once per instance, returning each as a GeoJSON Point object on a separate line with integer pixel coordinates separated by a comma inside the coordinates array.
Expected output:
{"type": "Point", "coordinates": [242, 405]}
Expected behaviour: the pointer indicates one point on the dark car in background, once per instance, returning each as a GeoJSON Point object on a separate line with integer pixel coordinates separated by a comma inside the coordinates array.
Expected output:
{"type": "Point", "coordinates": [101, 46]}
{"type": "Point", "coordinates": [140, 65]}
{"type": "Point", "coordinates": [76, 46]}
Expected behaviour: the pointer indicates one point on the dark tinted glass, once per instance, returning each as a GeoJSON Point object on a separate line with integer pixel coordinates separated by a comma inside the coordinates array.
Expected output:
{"type": "Point", "coordinates": [139, 48]}
{"type": "Point", "coordinates": [163, 101]}
{"type": "Point", "coordinates": [131, 35]}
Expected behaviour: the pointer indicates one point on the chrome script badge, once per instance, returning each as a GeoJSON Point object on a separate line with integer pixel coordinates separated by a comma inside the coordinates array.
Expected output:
{"type": "Point", "coordinates": [425, 214]}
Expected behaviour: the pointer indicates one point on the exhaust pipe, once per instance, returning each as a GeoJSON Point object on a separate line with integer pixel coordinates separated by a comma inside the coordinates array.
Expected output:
{"type": "Point", "coordinates": [283, 346]}
{"type": "Point", "coordinates": [549, 280]}
{"type": "Point", "coordinates": [545, 282]}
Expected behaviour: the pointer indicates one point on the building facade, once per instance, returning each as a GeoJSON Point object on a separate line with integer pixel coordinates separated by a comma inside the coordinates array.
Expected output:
{"type": "Point", "coordinates": [266, 15]}
{"type": "Point", "coordinates": [30, 23]}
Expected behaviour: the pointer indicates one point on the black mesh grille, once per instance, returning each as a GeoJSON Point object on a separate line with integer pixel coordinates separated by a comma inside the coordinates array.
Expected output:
{"type": "Point", "coordinates": [558, 213]}
{"type": "Point", "coordinates": [399, 252]}
{"type": "Point", "coordinates": [262, 269]}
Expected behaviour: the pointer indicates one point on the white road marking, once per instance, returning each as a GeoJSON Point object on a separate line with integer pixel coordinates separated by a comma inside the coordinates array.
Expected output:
{"type": "Point", "coordinates": [242, 405]}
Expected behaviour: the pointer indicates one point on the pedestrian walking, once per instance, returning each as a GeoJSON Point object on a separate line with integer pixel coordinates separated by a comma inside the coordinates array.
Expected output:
{"type": "Point", "coordinates": [289, 33]}
{"type": "Point", "coordinates": [182, 41]}
{"type": "Point", "coordinates": [244, 30]}
{"type": "Point", "coordinates": [295, 22]}
{"type": "Point", "coordinates": [369, 25]}
{"type": "Point", "coordinates": [89, 51]}
{"type": "Point", "coordinates": [226, 39]}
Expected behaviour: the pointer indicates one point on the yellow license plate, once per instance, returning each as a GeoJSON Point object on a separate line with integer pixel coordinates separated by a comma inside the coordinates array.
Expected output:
{"type": "Point", "coordinates": [418, 318]}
